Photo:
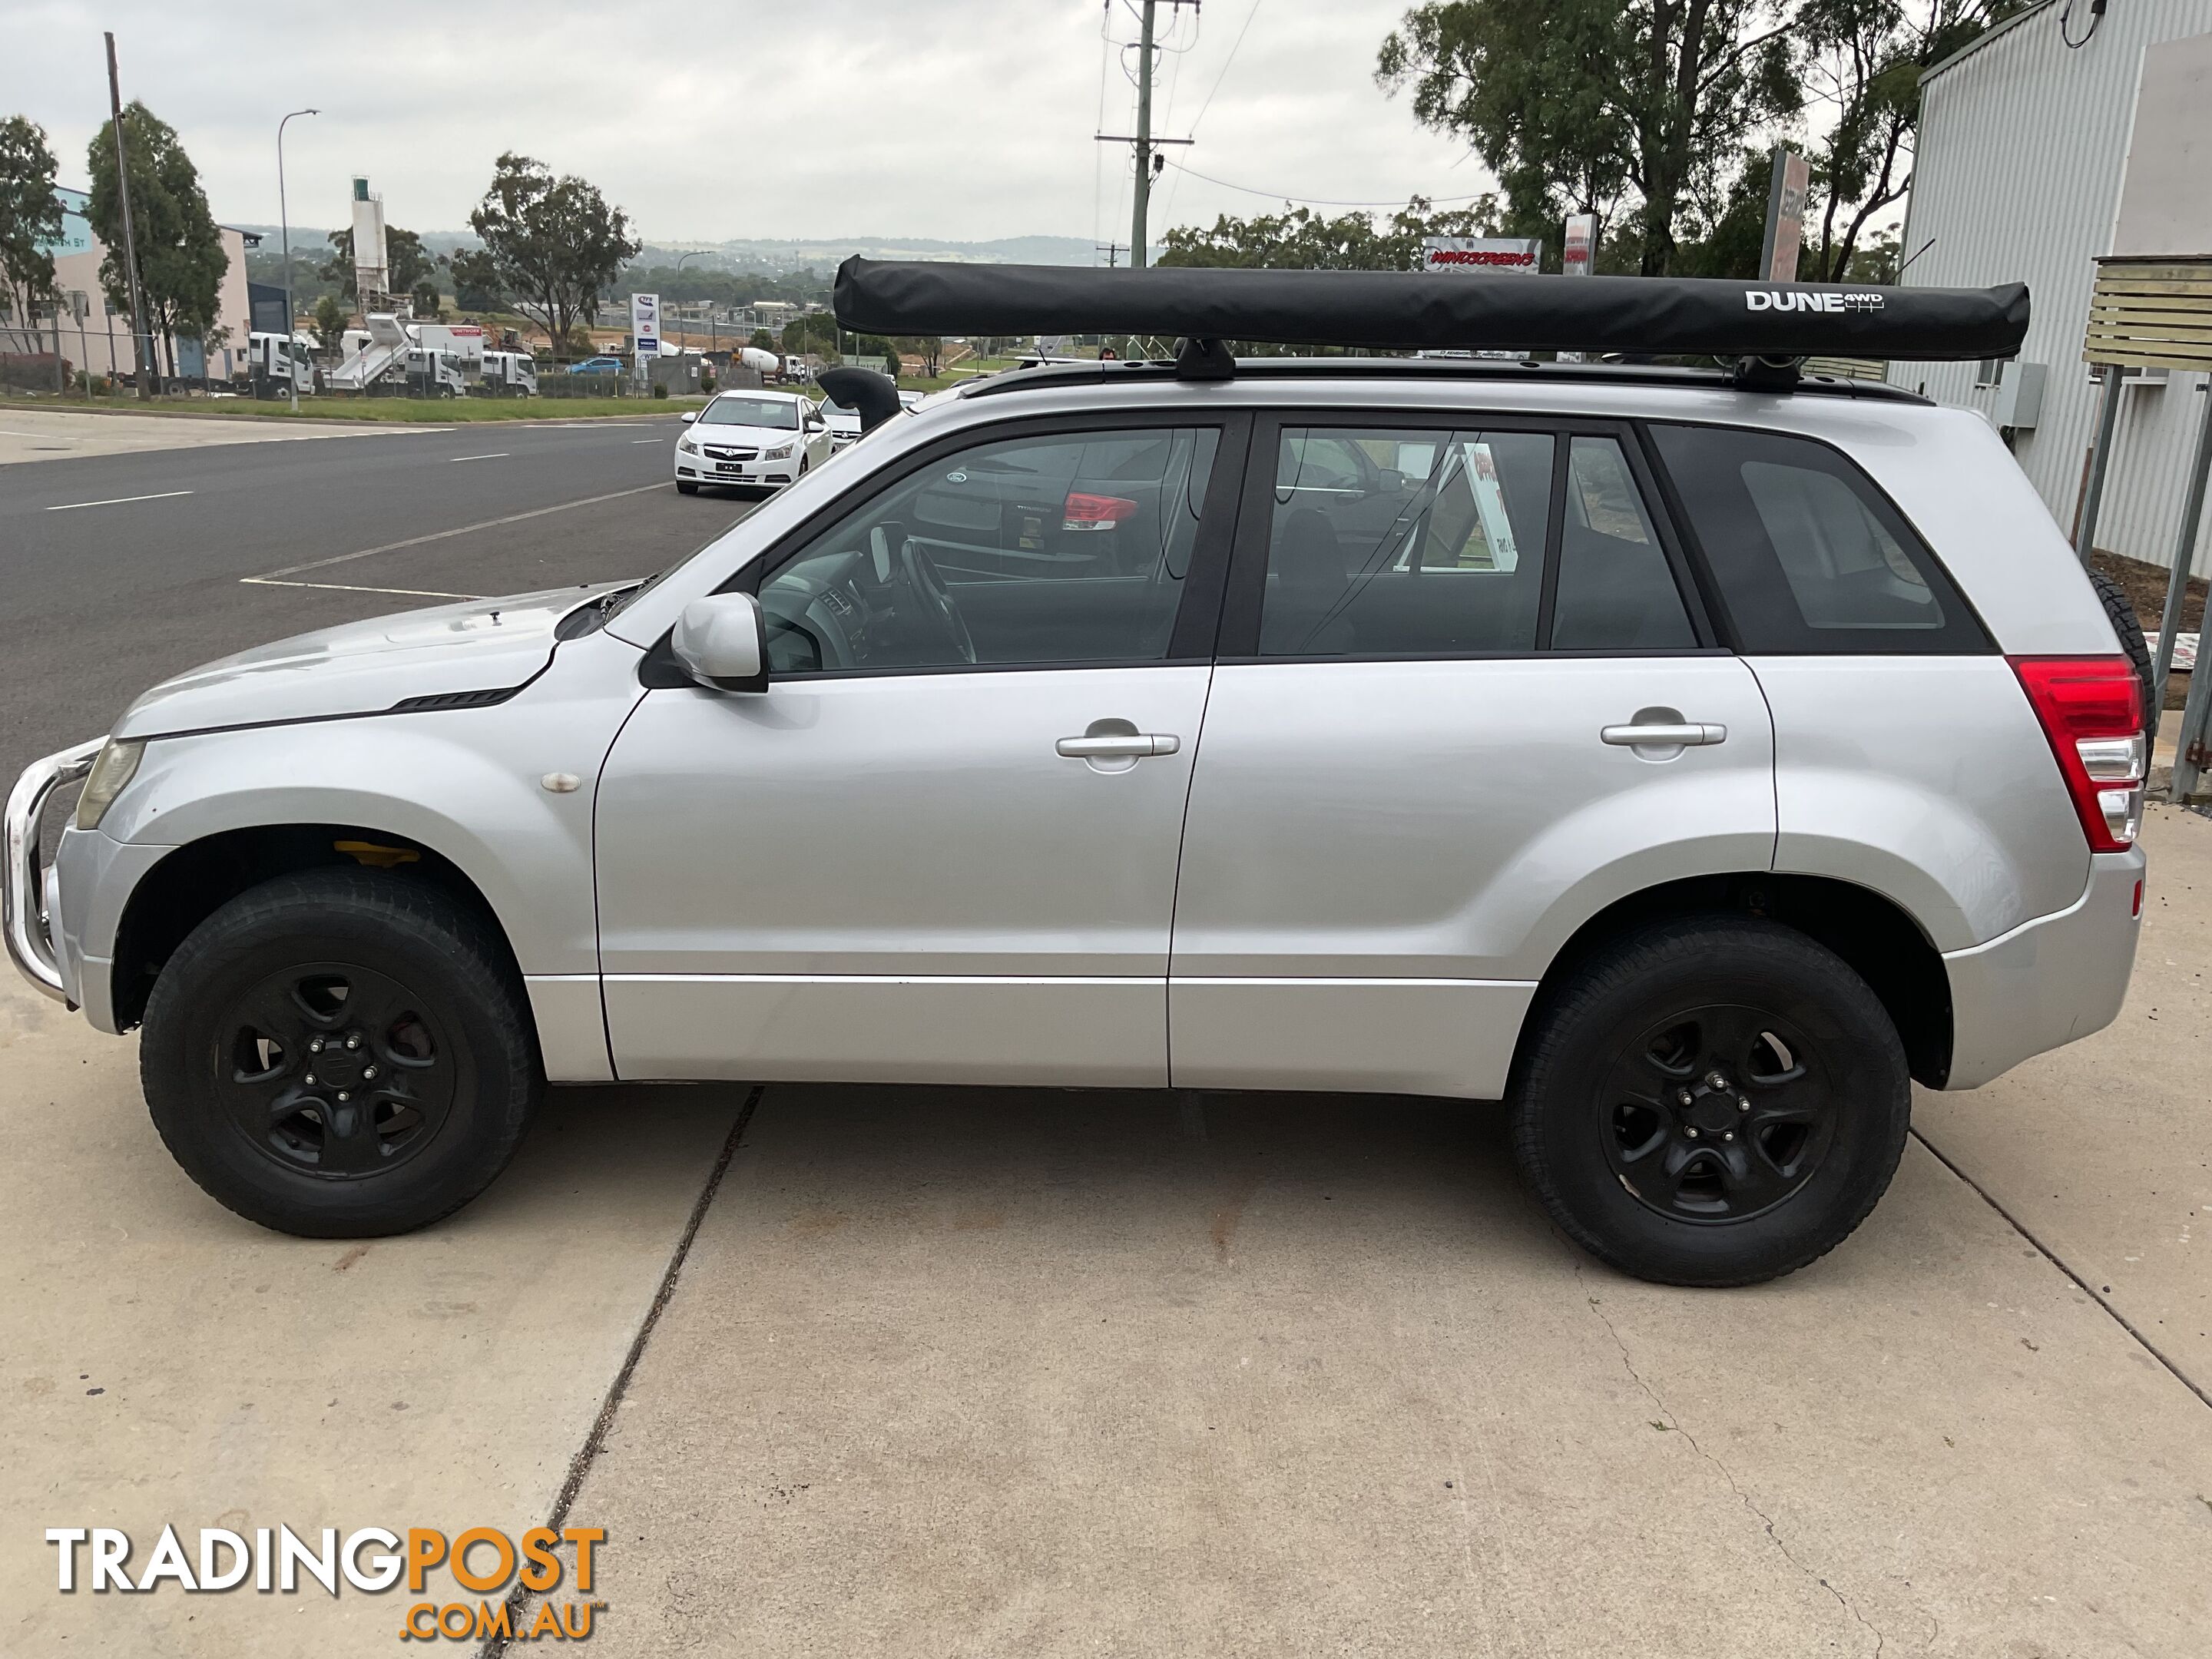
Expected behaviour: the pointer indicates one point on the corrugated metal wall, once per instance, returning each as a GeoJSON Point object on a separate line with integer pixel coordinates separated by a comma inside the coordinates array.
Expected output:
{"type": "Point", "coordinates": [2022, 145]}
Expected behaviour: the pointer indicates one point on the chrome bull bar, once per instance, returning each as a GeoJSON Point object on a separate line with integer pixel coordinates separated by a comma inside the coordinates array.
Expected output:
{"type": "Point", "coordinates": [23, 905]}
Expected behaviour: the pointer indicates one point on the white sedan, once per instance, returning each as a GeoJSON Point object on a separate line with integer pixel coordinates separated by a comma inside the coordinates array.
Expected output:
{"type": "Point", "coordinates": [758, 439]}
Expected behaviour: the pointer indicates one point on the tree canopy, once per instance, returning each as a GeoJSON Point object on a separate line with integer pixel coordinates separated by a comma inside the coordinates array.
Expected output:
{"type": "Point", "coordinates": [1655, 114]}
{"type": "Point", "coordinates": [1300, 239]}
{"type": "Point", "coordinates": [555, 243]}
{"type": "Point", "coordinates": [30, 218]}
{"type": "Point", "coordinates": [181, 260]}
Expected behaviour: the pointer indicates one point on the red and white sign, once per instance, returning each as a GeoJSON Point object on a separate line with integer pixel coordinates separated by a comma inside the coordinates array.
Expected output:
{"type": "Point", "coordinates": [1580, 253]}
{"type": "Point", "coordinates": [1488, 255]}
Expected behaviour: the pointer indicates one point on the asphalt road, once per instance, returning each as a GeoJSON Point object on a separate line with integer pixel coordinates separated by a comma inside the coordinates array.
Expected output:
{"type": "Point", "coordinates": [106, 594]}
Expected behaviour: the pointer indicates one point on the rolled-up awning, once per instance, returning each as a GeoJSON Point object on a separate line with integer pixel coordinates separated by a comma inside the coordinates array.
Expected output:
{"type": "Point", "coordinates": [1391, 310]}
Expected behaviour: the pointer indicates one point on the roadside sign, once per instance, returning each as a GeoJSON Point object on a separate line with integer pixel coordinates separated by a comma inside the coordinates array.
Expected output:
{"type": "Point", "coordinates": [1580, 252]}
{"type": "Point", "coordinates": [1488, 255]}
{"type": "Point", "coordinates": [1785, 216]}
{"type": "Point", "coordinates": [645, 324]}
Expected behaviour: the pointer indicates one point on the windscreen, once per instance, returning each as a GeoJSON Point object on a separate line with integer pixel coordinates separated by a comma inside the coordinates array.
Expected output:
{"type": "Point", "coordinates": [779, 413]}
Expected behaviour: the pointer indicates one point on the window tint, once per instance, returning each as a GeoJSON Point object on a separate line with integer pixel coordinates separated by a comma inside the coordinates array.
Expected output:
{"type": "Point", "coordinates": [1394, 542]}
{"type": "Point", "coordinates": [1615, 590]}
{"type": "Point", "coordinates": [1807, 554]}
{"type": "Point", "coordinates": [1071, 548]}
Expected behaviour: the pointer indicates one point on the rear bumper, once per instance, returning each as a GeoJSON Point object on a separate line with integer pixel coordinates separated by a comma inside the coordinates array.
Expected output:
{"type": "Point", "coordinates": [2047, 981]}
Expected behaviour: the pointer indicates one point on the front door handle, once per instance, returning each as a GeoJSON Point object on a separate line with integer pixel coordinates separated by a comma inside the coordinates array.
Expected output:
{"type": "Point", "coordinates": [1685, 734]}
{"type": "Point", "coordinates": [1129, 745]}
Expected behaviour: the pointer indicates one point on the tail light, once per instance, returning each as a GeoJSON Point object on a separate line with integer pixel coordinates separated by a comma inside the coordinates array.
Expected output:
{"type": "Point", "coordinates": [1095, 511]}
{"type": "Point", "coordinates": [2092, 711]}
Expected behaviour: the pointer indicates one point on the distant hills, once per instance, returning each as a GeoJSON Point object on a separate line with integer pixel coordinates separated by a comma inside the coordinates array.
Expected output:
{"type": "Point", "coordinates": [796, 253]}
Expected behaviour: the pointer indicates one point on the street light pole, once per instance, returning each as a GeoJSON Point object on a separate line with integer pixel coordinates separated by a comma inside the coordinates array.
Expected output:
{"type": "Point", "coordinates": [284, 229]}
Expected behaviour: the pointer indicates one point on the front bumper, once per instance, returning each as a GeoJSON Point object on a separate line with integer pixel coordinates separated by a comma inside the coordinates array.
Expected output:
{"type": "Point", "coordinates": [774, 472]}
{"type": "Point", "coordinates": [27, 890]}
{"type": "Point", "coordinates": [2048, 981]}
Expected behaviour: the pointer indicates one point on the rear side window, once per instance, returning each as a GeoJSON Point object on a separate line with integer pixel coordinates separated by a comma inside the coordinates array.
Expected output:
{"type": "Point", "coordinates": [1809, 556]}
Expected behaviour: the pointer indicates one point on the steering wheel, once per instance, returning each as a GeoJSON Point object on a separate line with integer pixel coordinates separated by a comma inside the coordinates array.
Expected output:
{"type": "Point", "coordinates": [919, 575]}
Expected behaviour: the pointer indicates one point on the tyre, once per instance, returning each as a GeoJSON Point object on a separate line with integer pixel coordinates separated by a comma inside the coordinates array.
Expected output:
{"type": "Point", "coordinates": [340, 1054]}
{"type": "Point", "coordinates": [2128, 628]}
{"type": "Point", "coordinates": [1713, 1101]}
{"type": "Point", "coordinates": [686, 488]}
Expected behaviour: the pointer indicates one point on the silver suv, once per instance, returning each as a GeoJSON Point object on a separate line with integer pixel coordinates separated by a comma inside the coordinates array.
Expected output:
{"type": "Point", "coordinates": [1687, 768]}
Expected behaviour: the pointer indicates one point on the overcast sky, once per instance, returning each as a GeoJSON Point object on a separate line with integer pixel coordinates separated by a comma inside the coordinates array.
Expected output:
{"type": "Point", "coordinates": [960, 120]}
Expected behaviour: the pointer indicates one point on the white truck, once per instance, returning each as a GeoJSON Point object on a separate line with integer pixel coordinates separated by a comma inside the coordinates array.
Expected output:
{"type": "Point", "coordinates": [390, 353]}
{"type": "Point", "coordinates": [278, 363]}
{"type": "Point", "coordinates": [508, 374]}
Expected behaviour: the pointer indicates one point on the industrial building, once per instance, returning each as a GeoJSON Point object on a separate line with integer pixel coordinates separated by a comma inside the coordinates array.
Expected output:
{"type": "Point", "coordinates": [95, 340]}
{"type": "Point", "coordinates": [2025, 143]}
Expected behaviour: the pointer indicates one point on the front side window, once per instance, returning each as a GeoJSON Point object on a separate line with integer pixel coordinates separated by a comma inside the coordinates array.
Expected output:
{"type": "Point", "coordinates": [1391, 541]}
{"type": "Point", "coordinates": [1072, 548]}
{"type": "Point", "coordinates": [1807, 554]}
{"type": "Point", "coordinates": [779, 414]}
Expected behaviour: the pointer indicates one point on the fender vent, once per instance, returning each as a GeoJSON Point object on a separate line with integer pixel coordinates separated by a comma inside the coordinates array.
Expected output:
{"type": "Point", "coordinates": [454, 700]}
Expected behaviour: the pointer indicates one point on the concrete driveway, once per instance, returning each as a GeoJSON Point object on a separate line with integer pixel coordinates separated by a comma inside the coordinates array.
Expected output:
{"type": "Point", "coordinates": [940, 1372]}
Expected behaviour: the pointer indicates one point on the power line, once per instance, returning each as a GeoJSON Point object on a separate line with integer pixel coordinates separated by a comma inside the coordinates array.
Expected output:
{"type": "Point", "coordinates": [1320, 201]}
{"type": "Point", "coordinates": [1168, 206]}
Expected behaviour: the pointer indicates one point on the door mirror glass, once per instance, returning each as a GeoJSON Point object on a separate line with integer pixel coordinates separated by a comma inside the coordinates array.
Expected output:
{"type": "Point", "coordinates": [722, 642]}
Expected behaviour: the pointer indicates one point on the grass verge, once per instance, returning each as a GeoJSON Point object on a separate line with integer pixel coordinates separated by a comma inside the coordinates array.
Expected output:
{"type": "Point", "coordinates": [402, 411]}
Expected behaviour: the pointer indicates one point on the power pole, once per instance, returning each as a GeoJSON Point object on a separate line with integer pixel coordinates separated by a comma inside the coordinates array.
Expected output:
{"type": "Point", "coordinates": [1144, 192]}
{"type": "Point", "coordinates": [142, 344]}
{"type": "Point", "coordinates": [1111, 250]}
{"type": "Point", "coordinates": [1147, 158]}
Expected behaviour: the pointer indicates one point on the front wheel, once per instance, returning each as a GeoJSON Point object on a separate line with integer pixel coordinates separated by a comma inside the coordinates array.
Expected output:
{"type": "Point", "coordinates": [1713, 1101]}
{"type": "Point", "coordinates": [340, 1054]}
{"type": "Point", "coordinates": [684, 486]}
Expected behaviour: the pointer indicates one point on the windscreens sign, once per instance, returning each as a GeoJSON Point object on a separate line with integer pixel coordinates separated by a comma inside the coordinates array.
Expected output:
{"type": "Point", "coordinates": [645, 324]}
{"type": "Point", "coordinates": [1486, 256]}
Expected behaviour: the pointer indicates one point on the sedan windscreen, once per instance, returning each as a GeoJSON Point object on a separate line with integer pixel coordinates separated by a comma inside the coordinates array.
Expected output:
{"type": "Point", "coordinates": [779, 413]}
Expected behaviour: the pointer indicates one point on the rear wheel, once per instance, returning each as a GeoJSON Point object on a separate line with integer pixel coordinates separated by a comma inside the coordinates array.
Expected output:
{"type": "Point", "coordinates": [340, 1054]}
{"type": "Point", "coordinates": [1711, 1102]}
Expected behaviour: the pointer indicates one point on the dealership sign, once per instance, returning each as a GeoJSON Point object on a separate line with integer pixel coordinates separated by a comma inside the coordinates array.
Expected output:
{"type": "Point", "coordinates": [1513, 256]}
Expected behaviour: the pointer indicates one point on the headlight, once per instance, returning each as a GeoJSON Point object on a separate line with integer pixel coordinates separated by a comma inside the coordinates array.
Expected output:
{"type": "Point", "coordinates": [687, 445]}
{"type": "Point", "coordinates": [780, 452]}
{"type": "Point", "coordinates": [116, 765]}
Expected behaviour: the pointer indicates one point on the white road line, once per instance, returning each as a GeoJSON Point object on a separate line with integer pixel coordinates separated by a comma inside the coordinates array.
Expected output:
{"type": "Point", "coordinates": [645, 440]}
{"type": "Point", "coordinates": [497, 455]}
{"type": "Point", "coordinates": [348, 587]}
{"type": "Point", "coordinates": [458, 530]}
{"type": "Point", "coordinates": [117, 500]}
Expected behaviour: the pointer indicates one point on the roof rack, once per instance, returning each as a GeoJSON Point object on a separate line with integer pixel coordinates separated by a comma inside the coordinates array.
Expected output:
{"type": "Point", "coordinates": [1529, 369]}
{"type": "Point", "coordinates": [1769, 327]}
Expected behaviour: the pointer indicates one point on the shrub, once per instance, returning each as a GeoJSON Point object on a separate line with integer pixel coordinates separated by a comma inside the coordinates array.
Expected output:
{"type": "Point", "coordinates": [659, 388]}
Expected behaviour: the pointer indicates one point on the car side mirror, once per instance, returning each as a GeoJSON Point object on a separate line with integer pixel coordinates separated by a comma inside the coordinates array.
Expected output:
{"type": "Point", "coordinates": [690, 415]}
{"type": "Point", "coordinates": [722, 642]}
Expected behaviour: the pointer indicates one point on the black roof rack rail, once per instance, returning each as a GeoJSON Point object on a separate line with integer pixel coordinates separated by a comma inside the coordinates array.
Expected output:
{"type": "Point", "coordinates": [1766, 326]}
{"type": "Point", "coordinates": [1140, 369]}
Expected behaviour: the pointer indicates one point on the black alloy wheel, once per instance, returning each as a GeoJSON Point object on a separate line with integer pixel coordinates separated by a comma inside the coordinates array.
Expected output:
{"type": "Point", "coordinates": [1710, 1100]}
{"type": "Point", "coordinates": [1718, 1114]}
{"type": "Point", "coordinates": [341, 1053]}
{"type": "Point", "coordinates": [336, 1069]}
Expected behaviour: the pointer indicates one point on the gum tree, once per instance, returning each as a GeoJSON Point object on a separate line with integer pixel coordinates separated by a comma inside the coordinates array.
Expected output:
{"type": "Point", "coordinates": [556, 243]}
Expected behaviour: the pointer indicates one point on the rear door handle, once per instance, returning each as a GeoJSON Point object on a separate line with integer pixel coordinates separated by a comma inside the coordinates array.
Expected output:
{"type": "Point", "coordinates": [1119, 743]}
{"type": "Point", "coordinates": [1689, 734]}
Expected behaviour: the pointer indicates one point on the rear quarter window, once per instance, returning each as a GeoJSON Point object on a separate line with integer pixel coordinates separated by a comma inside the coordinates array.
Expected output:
{"type": "Point", "coordinates": [1808, 555]}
